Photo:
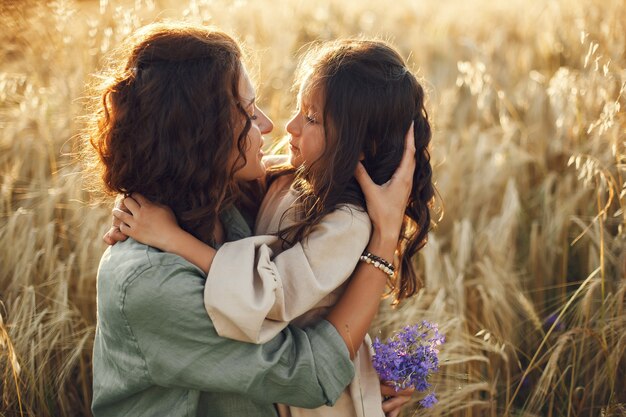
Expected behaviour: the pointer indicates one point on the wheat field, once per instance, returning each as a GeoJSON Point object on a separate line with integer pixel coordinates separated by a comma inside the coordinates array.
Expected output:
{"type": "Point", "coordinates": [525, 272]}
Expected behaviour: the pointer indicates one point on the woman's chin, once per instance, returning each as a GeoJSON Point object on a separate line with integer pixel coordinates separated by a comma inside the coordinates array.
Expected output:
{"type": "Point", "coordinates": [251, 174]}
{"type": "Point", "coordinates": [261, 171]}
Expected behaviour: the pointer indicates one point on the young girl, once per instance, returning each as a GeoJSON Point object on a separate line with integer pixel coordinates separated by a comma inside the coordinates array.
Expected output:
{"type": "Point", "coordinates": [356, 100]}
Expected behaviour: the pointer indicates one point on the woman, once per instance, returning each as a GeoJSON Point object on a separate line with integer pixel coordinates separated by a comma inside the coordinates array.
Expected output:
{"type": "Point", "coordinates": [177, 122]}
{"type": "Point", "coordinates": [356, 98]}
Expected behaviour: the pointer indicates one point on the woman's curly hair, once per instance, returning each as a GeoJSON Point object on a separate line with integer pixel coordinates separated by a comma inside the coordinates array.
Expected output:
{"type": "Point", "coordinates": [168, 120]}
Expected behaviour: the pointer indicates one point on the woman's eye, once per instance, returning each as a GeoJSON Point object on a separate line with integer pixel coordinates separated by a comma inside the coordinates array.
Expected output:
{"type": "Point", "coordinates": [252, 113]}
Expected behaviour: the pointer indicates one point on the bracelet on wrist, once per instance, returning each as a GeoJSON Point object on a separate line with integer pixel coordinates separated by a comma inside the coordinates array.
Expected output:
{"type": "Point", "coordinates": [378, 262]}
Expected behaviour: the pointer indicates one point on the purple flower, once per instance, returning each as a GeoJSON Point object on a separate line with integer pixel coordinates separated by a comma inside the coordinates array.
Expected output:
{"type": "Point", "coordinates": [547, 324]}
{"type": "Point", "coordinates": [429, 400]}
{"type": "Point", "coordinates": [409, 358]}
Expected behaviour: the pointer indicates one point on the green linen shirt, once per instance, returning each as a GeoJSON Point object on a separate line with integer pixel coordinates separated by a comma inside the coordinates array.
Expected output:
{"type": "Point", "coordinates": [156, 351]}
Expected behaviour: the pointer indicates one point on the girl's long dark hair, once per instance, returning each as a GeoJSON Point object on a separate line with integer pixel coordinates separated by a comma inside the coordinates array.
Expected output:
{"type": "Point", "coordinates": [370, 99]}
{"type": "Point", "coordinates": [169, 118]}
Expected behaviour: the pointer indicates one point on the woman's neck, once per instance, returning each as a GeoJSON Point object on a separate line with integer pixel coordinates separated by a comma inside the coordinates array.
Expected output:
{"type": "Point", "coordinates": [219, 234]}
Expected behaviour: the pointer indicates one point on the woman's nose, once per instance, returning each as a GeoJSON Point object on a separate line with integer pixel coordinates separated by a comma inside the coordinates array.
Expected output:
{"type": "Point", "coordinates": [265, 123]}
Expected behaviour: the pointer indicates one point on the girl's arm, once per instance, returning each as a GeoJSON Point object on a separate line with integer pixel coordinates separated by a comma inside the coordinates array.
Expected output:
{"type": "Point", "coordinates": [253, 287]}
{"type": "Point", "coordinates": [240, 311]}
{"type": "Point", "coordinates": [155, 225]}
{"type": "Point", "coordinates": [251, 294]}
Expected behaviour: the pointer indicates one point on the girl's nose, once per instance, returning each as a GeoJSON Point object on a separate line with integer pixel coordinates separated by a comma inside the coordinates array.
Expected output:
{"type": "Point", "coordinates": [293, 126]}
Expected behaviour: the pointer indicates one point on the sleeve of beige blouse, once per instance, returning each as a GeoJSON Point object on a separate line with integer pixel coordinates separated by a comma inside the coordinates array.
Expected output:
{"type": "Point", "coordinates": [252, 293]}
{"type": "Point", "coordinates": [272, 160]}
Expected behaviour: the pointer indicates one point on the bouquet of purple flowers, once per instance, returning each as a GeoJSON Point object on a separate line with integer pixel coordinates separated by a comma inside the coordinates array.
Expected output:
{"type": "Point", "coordinates": [409, 358]}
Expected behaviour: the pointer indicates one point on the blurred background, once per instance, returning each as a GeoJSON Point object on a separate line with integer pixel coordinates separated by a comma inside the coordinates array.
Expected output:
{"type": "Point", "coordinates": [524, 273]}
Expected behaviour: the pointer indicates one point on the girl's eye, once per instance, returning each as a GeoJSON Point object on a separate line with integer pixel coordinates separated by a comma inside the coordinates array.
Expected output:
{"type": "Point", "coordinates": [309, 119]}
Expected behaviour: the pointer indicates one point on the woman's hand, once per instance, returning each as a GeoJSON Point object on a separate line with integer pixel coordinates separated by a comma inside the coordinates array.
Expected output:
{"type": "Point", "coordinates": [394, 401]}
{"type": "Point", "coordinates": [386, 203]}
{"type": "Point", "coordinates": [149, 223]}
{"type": "Point", "coordinates": [353, 313]}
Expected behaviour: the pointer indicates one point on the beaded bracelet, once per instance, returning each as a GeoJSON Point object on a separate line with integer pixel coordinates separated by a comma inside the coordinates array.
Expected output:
{"type": "Point", "coordinates": [378, 262]}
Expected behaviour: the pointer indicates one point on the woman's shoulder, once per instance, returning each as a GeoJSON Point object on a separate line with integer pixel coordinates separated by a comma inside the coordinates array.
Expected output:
{"type": "Point", "coordinates": [125, 262]}
{"type": "Point", "coordinates": [136, 278]}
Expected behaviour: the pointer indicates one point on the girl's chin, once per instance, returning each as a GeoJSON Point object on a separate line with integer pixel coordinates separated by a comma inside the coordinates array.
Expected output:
{"type": "Point", "coordinates": [294, 160]}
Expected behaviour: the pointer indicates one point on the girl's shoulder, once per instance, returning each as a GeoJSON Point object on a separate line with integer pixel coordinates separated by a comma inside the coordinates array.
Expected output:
{"type": "Point", "coordinates": [352, 211]}
{"type": "Point", "coordinates": [348, 218]}
{"type": "Point", "coordinates": [271, 161]}
{"type": "Point", "coordinates": [278, 167]}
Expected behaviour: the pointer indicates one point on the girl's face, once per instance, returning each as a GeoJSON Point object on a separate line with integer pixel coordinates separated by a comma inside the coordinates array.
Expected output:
{"type": "Point", "coordinates": [306, 128]}
{"type": "Point", "coordinates": [261, 124]}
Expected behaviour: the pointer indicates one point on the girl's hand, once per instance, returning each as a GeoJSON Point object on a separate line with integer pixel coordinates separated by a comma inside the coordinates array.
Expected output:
{"type": "Point", "coordinates": [148, 223]}
{"type": "Point", "coordinates": [113, 235]}
{"type": "Point", "coordinates": [394, 400]}
{"type": "Point", "coordinates": [386, 203]}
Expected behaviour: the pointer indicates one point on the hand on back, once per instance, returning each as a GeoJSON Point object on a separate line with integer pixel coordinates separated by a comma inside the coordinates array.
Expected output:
{"type": "Point", "coordinates": [146, 222]}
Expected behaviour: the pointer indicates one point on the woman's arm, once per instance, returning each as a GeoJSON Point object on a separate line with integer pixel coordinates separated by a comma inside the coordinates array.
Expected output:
{"type": "Point", "coordinates": [255, 288]}
{"type": "Point", "coordinates": [354, 312]}
{"type": "Point", "coordinates": [254, 297]}
{"type": "Point", "coordinates": [265, 296]}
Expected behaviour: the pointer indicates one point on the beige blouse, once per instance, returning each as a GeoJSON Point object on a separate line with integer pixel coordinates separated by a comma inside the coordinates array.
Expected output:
{"type": "Point", "coordinates": [255, 288]}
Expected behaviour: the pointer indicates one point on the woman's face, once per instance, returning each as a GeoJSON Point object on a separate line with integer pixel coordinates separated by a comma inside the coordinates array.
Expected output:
{"type": "Point", "coordinates": [306, 128]}
{"type": "Point", "coordinates": [260, 125]}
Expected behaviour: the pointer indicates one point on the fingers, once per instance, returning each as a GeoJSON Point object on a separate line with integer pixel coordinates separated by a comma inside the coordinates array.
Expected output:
{"type": "Point", "coordinates": [132, 205]}
{"type": "Point", "coordinates": [406, 392]}
{"type": "Point", "coordinates": [117, 235]}
{"type": "Point", "coordinates": [394, 413]}
{"type": "Point", "coordinates": [407, 163]}
{"type": "Point", "coordinates": [124, 228]}
{"type": "Point", "coordinates": [107, 239]}
{"type": "Point", "coordinates": [405, 168]}
{"type": "Point", "coordinates": [115, 224]}
{"type": "Point", "coordinates": [389, 391]}
{"type": "Point", "coordinates": [119, 202]}
{"type": "Point", "coordinates": [140, 199]}
{"type": "Point", "coordinates": [363, 178]}
{"type": "Point", "coordinates": [114, 235]}
{"type": "Point", "coordinates": [123, 217]}
{"type": "Point", "coordinates": [409, 139]}
{"type": "Point", "coordinates": [395, 403]}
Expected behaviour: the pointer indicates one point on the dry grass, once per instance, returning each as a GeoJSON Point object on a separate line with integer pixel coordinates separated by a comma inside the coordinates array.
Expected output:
{"type": "Point", "coordinates": [530, 153]}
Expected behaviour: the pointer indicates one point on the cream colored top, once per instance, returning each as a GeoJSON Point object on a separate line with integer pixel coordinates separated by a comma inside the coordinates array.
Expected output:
{"type": "Point", "coordinates": [255, 288]}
